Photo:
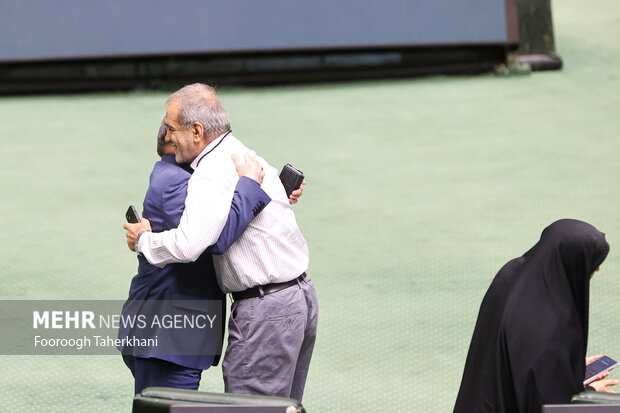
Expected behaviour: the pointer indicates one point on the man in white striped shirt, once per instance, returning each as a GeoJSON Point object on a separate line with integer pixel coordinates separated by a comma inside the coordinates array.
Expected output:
{"type": "Point", "coordinates": [272, 327]}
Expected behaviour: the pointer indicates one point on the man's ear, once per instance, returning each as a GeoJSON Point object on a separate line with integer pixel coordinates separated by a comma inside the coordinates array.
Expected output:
{"type": "Point", "coordinates": [197, 132]}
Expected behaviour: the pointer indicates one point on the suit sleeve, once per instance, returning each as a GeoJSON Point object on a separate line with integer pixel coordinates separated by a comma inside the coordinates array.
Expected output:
{"type": "Point", "coordinates": [248, 201]}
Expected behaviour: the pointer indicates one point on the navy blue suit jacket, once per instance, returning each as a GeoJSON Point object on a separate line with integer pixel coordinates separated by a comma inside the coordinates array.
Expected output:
{"type": "Point", "coordinates": [163, 206]}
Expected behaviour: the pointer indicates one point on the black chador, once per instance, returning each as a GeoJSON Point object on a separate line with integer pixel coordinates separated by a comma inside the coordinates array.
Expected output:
{"type": "Point", "coordinates": [529, 343]}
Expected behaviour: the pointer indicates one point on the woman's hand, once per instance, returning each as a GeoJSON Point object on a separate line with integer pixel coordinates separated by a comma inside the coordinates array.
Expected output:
{"type": "Point", "coordinates": [601, 385]}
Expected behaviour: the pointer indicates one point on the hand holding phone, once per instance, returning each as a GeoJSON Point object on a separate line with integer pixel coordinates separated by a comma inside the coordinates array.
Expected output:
{"type": "Point", "coordinates": [132, 215]}
{"type": "Point", "coordinates": [597, 367]}
{"type": "Point", "coordinates": [291, 178]}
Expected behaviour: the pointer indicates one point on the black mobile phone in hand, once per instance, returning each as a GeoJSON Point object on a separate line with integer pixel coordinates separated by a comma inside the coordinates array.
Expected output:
{"type": "Point", "coordinates": [132, 215]}
{"type": "Point", "coordinates": [597, 367]}
{"type": "Point", "coordinates": [291, 178]}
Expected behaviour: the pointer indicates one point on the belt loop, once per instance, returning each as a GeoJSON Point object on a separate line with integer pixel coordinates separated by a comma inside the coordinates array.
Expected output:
{"type": "Point", "coordinates": [298, 281]}
{"type": "Point", "coordinates": [261, 292]}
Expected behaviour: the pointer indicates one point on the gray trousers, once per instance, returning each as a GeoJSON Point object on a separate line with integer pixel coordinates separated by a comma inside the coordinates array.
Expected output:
{"type": "Point", "coordinates": [270, 342]}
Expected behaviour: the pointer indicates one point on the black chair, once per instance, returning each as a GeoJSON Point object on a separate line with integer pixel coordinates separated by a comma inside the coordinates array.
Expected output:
{"type": "Point", "coordinates": [167, 400]}
{"type": "Point", "coordinates": [594, 397]}
{"type": "Point", "coordinates": [588, 402]}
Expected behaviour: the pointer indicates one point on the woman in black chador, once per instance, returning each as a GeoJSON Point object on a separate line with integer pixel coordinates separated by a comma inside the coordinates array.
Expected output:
{"type": "Point", "coordinates": [530, 339]}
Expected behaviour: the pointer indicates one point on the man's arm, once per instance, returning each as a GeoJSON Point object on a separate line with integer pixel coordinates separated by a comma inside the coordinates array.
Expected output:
{"type": "Point", "coordinates": [189, 244]}
{"type": "Point", "coordinates": [249, 200]}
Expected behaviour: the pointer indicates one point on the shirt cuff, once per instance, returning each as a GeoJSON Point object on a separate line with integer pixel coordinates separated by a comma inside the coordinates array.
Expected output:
{"type": "Point", "coordinates": [138, 239]}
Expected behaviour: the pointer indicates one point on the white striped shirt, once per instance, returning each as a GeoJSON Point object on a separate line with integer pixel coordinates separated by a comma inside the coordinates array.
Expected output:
{"type": "Point", "coordinates": [272, 248]}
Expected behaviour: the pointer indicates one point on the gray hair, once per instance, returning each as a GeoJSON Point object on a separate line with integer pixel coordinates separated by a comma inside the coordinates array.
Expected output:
{"type": "Point", "coordinates": [199, 103]}
{"type": "Point", "coordinates": [161, 138]}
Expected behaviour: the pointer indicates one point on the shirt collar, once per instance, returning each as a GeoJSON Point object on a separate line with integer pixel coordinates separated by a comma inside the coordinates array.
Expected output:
{"type": "Point", "coordinates": [206, 150]}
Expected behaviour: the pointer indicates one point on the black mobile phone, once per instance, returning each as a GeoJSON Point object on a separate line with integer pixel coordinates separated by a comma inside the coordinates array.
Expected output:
{"type": "Point", "coordinates": [597, 367]}
{"type": "Point", "coordinates": [291, 178]}
{"type": "Point", "coordinates": [132, 215]}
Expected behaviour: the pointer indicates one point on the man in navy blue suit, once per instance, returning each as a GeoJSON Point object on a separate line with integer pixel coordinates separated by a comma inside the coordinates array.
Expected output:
{"type": "Point", "coordinates": [163, 206]}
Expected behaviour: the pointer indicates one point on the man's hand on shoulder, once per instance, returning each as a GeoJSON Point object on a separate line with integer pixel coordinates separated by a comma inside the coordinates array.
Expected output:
{"type": "Point", "coordinates": [250, 168]}
{"type": "Point", "coordinates": [134, 230]}
{"type": "Point", "coordinates": [294, 197]}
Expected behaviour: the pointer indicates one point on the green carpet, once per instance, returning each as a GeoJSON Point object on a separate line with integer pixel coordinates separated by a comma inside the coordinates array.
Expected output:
{"type": "Point", "coordinates": [418, 192]}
